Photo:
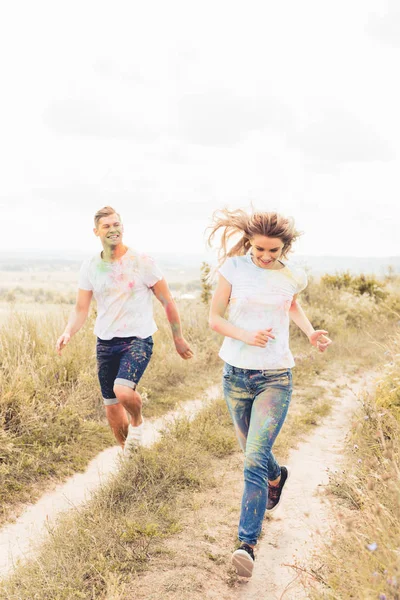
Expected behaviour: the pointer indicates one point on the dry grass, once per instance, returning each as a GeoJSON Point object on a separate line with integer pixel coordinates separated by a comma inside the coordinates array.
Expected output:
{"type": "Point", "coordinates": [363, 559]}
{"type": "Point", "coordinates": [97, 556]}
{"type": "Point", "coordinates": [115, 535]}
{"type": "Point", "coordinates": [51, 411]}
{"type": "Point", "coordinates": [125, 529]}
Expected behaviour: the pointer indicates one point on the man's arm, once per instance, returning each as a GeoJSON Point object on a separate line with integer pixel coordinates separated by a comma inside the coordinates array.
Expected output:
{"type": "Point", "coordinates": [163, 294]}
{"type": "Point", "coordinates": [76, 319]}
{"type": "Point", "coordinates": [317, 337]}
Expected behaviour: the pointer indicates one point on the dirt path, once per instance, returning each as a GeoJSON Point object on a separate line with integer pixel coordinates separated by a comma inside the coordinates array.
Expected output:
{"type": "Point", "coordinates": [17, 539]}
{"type": "Point", "coordinates": [305, 518]}
{"type": "Point", "coordinates": [195, 564]}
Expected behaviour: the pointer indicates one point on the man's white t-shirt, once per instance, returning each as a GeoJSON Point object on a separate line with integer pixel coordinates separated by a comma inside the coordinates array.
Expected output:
{"type": "Point", "coordinates": [260, 299]}
{"type": "Point", "coordinates": [122, 291]}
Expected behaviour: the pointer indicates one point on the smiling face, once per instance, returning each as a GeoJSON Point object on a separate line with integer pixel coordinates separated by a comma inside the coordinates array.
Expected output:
{"type": "Point", "coordinates": [110, 231]}
{"type": "Point", "coordinates": [266, 251]}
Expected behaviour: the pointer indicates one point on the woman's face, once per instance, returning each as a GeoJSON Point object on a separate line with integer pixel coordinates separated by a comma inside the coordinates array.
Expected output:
{"type": "Point", "coordinates": [266, 250]}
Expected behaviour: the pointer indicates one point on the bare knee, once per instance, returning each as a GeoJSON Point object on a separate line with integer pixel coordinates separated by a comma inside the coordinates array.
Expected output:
{"type": "Point", "coordinates": [127, 397]}
{"type": "Point", "coordinates": [114, 412]}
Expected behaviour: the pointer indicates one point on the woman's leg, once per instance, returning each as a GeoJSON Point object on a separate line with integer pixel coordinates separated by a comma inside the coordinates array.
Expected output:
{"type": "Point", "coordinates": [268, 414]}
{"type": "Point", "coordinates": [239, 402]}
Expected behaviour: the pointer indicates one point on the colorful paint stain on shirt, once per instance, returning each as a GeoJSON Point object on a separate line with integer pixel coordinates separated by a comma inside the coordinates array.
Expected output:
{"type": "Point", "coordinates": [123, 294]}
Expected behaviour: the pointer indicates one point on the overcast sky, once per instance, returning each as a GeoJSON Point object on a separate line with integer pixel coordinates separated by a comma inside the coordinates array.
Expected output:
{"type": "Point", "coordinates": [170, 110]}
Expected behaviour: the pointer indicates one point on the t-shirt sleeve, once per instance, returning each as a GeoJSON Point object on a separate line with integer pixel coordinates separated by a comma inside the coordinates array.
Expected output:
{"type": "Point", "coordinates": [84, 281]}
{"type": "Point", "coordinates": [302, 281]}
{"type": "Point", "coordinates": [150, 271]}
{"type": "Point", "coordinates": [227, 269]}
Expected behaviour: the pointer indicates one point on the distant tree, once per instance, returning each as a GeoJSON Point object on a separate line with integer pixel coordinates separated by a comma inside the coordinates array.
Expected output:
{"type": "Point", "coordinates": [390, 274]}
{"type": "Point", "coordinates": [206, 286]}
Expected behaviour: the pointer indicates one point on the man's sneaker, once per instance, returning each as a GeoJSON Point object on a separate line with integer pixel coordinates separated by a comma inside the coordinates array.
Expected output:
{"type": "Point", "coordinates": [133, 439]}
{"type": "Point", "coordinates": [243, 560]}
{"type": "Point", "coordinates": [275, 491]}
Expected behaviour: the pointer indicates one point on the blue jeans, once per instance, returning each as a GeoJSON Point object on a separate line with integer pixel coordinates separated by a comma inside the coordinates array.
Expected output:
{"type": "Point", "coordinates": [258, 402]}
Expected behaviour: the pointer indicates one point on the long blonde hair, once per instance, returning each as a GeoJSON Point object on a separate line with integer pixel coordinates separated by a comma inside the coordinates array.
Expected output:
{"type": "Point", "coordinates": [232, 223]}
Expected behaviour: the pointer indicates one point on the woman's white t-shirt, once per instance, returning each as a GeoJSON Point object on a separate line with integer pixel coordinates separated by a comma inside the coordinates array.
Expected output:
{"type": "Point", "coordinates": [260, 299]}
{"type": "Point", "coordinates": [122, 291]}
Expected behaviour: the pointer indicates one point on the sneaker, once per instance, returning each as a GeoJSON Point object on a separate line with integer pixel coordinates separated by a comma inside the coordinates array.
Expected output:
{"type": "Point", "coordinates": [133, 439]}
{"type": "Point", "coordinates": [243, 560]}
{"type": "Point", "coordinates": [275, 491]}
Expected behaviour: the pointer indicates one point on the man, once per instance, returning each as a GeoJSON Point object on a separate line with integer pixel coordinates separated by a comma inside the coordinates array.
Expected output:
{"type": "Point", "coordinates": [122, 282]}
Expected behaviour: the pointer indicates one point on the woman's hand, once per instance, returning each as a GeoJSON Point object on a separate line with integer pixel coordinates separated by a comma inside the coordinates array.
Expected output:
{"type": "Point", "coordinates": [320, 340]}
{"type": "Point", "coordinates": [258, 338]}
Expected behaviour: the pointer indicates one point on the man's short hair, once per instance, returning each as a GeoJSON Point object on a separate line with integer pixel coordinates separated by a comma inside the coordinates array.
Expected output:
{"type": "Point", "coordinates": [104, 212]}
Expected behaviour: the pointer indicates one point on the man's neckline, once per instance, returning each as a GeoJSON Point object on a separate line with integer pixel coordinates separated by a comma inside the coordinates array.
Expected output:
{"type": "Point", "coordinates": [115, 260]}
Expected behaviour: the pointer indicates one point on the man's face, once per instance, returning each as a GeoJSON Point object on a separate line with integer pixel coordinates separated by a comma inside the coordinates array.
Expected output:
{"type": "Point", "coordinates": [110, 230]}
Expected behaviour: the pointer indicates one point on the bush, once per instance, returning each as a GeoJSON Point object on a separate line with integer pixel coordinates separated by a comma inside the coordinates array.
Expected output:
{"type": "Point", "coordinates": [359, 285]}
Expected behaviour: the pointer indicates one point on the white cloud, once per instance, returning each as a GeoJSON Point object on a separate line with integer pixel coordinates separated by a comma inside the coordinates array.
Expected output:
{"type": "Point", "coordinates": [386, 25]}
{"type": "Point", "coordinates": [171, 110]}
{"type": "Point", "coordinates": [338, 136]}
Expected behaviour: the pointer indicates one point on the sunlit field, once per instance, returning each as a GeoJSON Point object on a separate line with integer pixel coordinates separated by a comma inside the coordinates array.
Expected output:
{"type": "Point", "coordinates": [52, 424]}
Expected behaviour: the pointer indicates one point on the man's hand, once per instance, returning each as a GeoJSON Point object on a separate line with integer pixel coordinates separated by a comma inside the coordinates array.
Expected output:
{"type": "Point", "coordinates": [320, 340]}
{"type": "Point", "coordinates": [183, 348]}
{"type": "Point", "coordinates": [62, 342]}
{"type": "Point", "coordinates": [258, 338]}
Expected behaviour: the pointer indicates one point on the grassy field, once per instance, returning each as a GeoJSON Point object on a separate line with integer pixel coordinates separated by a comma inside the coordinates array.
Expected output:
{"type": "Point", "coordinates": [52, 424]}
{"type": "Point", "coordinates": [51, 411]}
{"type": "Point", "coordinates": [363, 559]}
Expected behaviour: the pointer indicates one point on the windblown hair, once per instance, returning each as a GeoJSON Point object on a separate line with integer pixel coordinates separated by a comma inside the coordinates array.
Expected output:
{"type": "Point", "coordinates": [232, 223]}
{"type": "Point", "coordinates": [106, 211]}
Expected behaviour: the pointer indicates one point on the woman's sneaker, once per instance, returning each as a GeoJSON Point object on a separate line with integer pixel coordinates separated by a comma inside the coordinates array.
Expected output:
{"type": "Point", "coordinates": [275, 491]}
{"type": "Point", "coordinates": [243, 560]}
{"type": "Point", "coordinates": [133, 439]}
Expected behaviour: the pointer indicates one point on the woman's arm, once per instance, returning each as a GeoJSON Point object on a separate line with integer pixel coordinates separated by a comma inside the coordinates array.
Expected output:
{"type": "Point", "coordinates": [317, 337]}
{"type": "Point", "coordinates": [218, 323]}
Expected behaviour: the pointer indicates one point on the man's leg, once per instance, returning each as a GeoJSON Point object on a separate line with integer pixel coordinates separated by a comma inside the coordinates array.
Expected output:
{"type": "Point", "coordinates": [134, 358]}
{"type": "Point", "coordinates": [118, 421]}
{"type": "Point", "coordinates": [131, 401]}
{"type": "Point", "coordinates": [108, 362]}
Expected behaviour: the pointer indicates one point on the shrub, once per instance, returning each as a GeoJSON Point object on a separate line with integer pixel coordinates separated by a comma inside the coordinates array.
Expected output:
{"type": "Point", "coordinates": [359, 285]}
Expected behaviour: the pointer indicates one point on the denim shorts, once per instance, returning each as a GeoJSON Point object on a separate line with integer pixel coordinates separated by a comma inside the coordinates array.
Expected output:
{"type": "Point", "coordinates": [121, 361]}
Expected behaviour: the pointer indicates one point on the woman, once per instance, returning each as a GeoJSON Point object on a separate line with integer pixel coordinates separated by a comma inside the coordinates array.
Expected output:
{"type": "Point", "coordinates": [261, 291]}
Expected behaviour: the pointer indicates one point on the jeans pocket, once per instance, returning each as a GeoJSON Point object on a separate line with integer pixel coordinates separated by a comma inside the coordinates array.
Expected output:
{"type": "Point", "coordinates": [278, 377]}
{"type": "Point", "coordinates": [227, 372]}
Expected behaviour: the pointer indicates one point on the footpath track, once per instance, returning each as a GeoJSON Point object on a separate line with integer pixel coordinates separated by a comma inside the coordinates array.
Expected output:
{"type": "Point", "coordinates": [18, 539]}
{"type": "Point", "coordinates": [306, 519]}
